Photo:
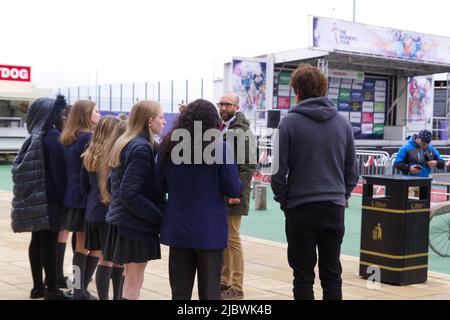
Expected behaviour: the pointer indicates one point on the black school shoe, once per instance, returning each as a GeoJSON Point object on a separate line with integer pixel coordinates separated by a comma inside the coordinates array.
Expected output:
{"type": "Point", "coordinates": [58, 295]}
{"type": "Point", "coordinates": [37, 293]}
{"type": "Point", "coordinates": [84, 296]}
{"type": "Point", "coordinates": [61, 283]}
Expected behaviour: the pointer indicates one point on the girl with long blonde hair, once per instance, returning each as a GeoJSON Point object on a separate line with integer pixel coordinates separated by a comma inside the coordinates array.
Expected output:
{"type": "Point", "coordinates": [136, 208]}
{"type": "Point", "coordinates": [95, 154]}
{"type": "Point", "coordinates": [77, 132]}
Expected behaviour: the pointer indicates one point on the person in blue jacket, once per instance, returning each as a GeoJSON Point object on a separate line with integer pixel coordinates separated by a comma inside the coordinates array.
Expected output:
{"type": "Point", "coordinates": [83, 117]}
{"type": "Point", "coordinates": [418, 156]}
{"type": "Point", "coordinates": [195, 222]}
{"type": "Point", "coordinates": [136, 207]}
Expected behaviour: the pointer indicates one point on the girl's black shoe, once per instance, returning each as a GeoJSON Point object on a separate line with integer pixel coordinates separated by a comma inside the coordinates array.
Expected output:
{"type": "Point", "coordinates": [37, 293]}
{"type": "Point", "coordinates": [58, 295]}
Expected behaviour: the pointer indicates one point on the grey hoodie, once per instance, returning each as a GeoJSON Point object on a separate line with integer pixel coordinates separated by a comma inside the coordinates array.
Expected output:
{"type": "Point", "coordinates": [315, 156]}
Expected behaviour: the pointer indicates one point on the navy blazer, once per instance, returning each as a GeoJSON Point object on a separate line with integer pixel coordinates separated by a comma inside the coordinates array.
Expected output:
{"type": "Point", "coordinates": [73, 197]}
{"type": "Point", "coordinates": [55, 167]}
{"type": "Point", "coordinates": [196, 215]}
{"type": "Point", "coordinates": [95, 209]}
{"type": "Point", "coordinates": [136, 207]}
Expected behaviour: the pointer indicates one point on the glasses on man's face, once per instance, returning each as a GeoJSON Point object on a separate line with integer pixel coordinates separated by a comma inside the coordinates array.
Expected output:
{"type": "Point", "coordinates": [224, 105]}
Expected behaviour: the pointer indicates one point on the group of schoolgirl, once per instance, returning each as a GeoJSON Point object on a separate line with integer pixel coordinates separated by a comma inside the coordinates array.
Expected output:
{"type": "Point", "coordinates": [107, 180]}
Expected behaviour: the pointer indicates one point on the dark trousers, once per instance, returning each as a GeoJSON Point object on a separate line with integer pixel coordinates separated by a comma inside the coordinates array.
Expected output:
{"type": "Point", "coordinates": [184, 263]}
{"type": "Point", "coordinates": [310, 228]}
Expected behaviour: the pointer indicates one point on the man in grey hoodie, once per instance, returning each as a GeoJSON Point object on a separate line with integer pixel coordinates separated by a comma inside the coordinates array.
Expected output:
{"type": "Point", "coordinates": [317, 172]}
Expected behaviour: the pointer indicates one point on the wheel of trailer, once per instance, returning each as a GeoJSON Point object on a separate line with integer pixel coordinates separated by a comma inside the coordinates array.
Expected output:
{"type": "Point", "coordinates": [440, 229]}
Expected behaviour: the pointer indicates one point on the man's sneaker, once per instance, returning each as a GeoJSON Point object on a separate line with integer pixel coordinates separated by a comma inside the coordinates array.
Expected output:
{"type": "Point", "coordinates": [232, 294]}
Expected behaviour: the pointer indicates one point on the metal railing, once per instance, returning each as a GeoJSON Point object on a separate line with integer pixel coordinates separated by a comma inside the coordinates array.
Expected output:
{"type": "Point", "coordinates": [373, 162]}
{"type": "Point", "coordinates": [121, 97]}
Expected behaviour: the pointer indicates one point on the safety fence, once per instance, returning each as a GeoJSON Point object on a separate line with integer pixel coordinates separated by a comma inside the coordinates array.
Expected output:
{"type": "Point", "coordinates": [369, 162]}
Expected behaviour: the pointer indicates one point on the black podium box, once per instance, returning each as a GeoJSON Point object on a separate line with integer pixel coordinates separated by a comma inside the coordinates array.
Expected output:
{"type": "Point", "coordinates": [395, 229]}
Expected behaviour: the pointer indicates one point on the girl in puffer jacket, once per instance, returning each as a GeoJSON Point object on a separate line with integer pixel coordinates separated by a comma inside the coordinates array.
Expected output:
{"type": "Point", "coordinates": [39, 181]}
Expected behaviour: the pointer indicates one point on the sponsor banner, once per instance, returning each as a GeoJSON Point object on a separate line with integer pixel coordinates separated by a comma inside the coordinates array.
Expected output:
{"type": "Point", "coordinates": [284, 78]}
{"type": "Point", "coordinates": [380, 85]}
{"type": "Point", "coordinates": [283, 102]}
{"type": "Point", "coordinates": [346, 83]}
{"type": "Point", "coordinates": [367, 106]}
{"type": "Point", "coordinates": [356, 106]}
{"type": "Point", "coordinates": [367, 117]}
{"type": "Point", "coordinates": [338, 35]}
{"type": "Point", "coordinates": [333, 93]}
{"type": "Point", "coordinates": [380, 96]}
{"type": "Point", "coordinates": [284, 90]}
{"type": "Point", "coordinates": [335, 83]}
{"type": "Point", "coordinates": [358, 84]}
{"type": "Point", "coordinates": [357, 95]}
{"type": "Point", "coordinates": [369, 84]}
{"type": "Point", "coordinates": [355, 117]}
{"type": "Point", "coordinates": [344, 106]}
{"type": "Point", "coordinates": [378, 128]}
{"type": "Point", "coordinates": [378, 118]}
{"type": "Point", "coordinates": [379, 107]}
{"type": "Point", "coordinates": [345, 74]}
{"type": "Point", "coordinates": [368, 95]}
{"type": "Point", "coordinates": [344, 94]}
{"type": "Point", "coordinates": [367, 128]}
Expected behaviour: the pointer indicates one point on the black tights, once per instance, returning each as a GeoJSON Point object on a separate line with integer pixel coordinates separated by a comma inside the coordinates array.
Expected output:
{"type": "Point", "coordinates": [42, 254]}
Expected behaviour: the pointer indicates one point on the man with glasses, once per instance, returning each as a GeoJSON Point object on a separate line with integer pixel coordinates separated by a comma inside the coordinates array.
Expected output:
{"type": "Point", "coordinates": [233, 268]}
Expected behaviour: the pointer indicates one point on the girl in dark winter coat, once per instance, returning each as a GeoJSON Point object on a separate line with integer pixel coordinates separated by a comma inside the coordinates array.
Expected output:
{"type": "Point", "coordinates": [106, 133]}
{"type": "Point", "coordinates": [135, 210]}
{"type": "Point", "coordinates": [39, 182]}
{"type": "Point", "coordinates": [195, 222]}
{"type": "Point", "coordinates": [80, 124]}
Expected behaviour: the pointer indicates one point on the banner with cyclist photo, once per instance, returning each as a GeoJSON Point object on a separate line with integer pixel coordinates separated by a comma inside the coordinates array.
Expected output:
{"type": "Point", "coordinates": [248, 81]}
{"type": "Point", "coordinates": [420, 103]}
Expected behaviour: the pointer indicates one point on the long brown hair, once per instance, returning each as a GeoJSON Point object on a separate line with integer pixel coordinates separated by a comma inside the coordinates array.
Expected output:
{"type": "Point", "coordinates": [104, 168]}
{"type": "Point", "coordinates": [97, 148]}
{"type": "Point", "coordinates": [79, 119]}
{"type": "Point", "coordinates": [138, 123]}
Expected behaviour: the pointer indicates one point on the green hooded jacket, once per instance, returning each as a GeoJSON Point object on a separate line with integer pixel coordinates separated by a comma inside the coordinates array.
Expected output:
{"type": "Point", "coordinates": [247, 168]}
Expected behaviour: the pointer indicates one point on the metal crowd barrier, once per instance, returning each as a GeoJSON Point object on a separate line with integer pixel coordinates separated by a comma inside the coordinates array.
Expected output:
{"type": "Point", "coordinates": [373, 162]}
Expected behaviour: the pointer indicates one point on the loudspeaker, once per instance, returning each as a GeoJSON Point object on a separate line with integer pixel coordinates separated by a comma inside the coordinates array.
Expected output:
{"type": "Point", "coordinates": [273, 118]}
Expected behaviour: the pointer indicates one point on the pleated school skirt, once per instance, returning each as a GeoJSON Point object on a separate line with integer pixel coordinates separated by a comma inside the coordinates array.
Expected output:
{"type": "Point", "coordinates": [74, 220]}
{"type": "Point", "coordinates": [95, 235]}
{"type": "Point", "coordinates": [121, 250]}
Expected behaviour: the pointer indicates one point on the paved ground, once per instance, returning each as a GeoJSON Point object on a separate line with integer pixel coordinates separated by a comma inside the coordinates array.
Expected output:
{"type": "Point", "coordinates": [267, 274]}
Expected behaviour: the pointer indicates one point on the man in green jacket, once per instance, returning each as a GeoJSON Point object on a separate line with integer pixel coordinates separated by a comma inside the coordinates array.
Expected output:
{"type": "Point", "coordinates": [236, 130]}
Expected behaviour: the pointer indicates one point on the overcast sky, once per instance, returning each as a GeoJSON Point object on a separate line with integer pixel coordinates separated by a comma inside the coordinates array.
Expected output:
{"type": "Point", "coordinates": [70, 42]}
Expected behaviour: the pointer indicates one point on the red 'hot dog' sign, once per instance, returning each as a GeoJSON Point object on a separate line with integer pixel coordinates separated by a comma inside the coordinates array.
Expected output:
{"type": "Point", "coordinates": [15, 73]}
